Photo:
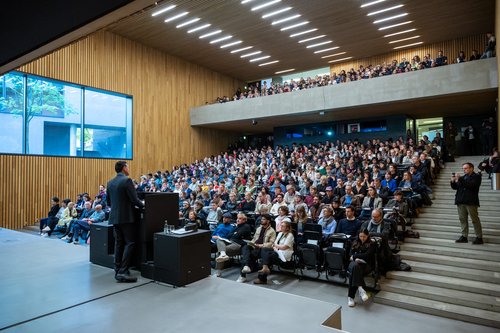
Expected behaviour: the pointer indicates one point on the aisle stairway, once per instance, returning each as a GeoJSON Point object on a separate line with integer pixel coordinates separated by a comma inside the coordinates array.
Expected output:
{"type": "Point", "coordinates": [458, 281]}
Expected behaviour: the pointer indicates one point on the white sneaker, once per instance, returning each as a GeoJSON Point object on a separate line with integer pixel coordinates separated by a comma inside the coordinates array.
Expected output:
{"type": "Point", "coordinates": [362, 293]}
{"type": "Point", "coordinates": [241, 279]}
{"type": "Point", "coordinates": [350, 302]}
{"type": "Point", "coordinates": [219, 273]}
{"type": "Point", "coordinates": [46, 229]}
{"type": "Point", "coordinates": [45, 235]}
{"type": "Point", "coordinates": [246, 269]}
{"type": "Point", "coordinates": [222, 258]}
{"type": "Point", "coordinates": [65, 238]}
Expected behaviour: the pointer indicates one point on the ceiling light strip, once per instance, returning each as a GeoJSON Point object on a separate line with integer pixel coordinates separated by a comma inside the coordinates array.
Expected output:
{"type": "Point", "coordinates": [276, 12]}
{"type": "Point", "coordinates": [394, 25]}
{"type": "Point", "coordinates": [286, 19]}
{"type": "Point", "coordinates": [294, 26]}
{"type": "Point", "coordinates": [312, 38]}
{"type": "Point", "coordinates": [371, 3]}
{"type": "Point", "coordinates": [161, 11]}
{"type": "Point", "coordinates": [242, 49]}
{"type": "Point", "coordinates": [210, 34]}
{"type": "Point", "coordinates": [259, 58]}
{"type": "Point", "coordinates": [384, 10]}
{"type": "Point", "coordinates": [231, 44]}
{"type": "Point", "coordinates": [285, 71]}
{"type": "Point", "coordinates": [318, 44]}
{"type": "Point", "coordinates": [187, 23]}
{"type": "Point", "coordinates": [400, 32]}
{"type": "Point", "coordinates": [269, 63]}
{"type": "Point", "coordinates": [390, 18]}
{"type": "Point", "coordinates": [402, 40]}
{"type": "Point", "coordinates": [201, 27]}
{"type": "Point", "coordinates": [176, 17]}
{"type": "Point", "coordinates": [333, 55]}
{"type": "Point", "coordinates": [408, 45]}
{"type": "Point", "coordinates": [303, 32]}
{"type": "Point", "coordinates": [264, 5]}
{"type": "Point", "coordinates": [341, 59]}
{"type": "Point", "coordinates": [328, 49]}
{"type": "Point", "coordinates": [245, 1]}
{"type": "Point", "coordinates": [221, 39]}
{"type": "Point", "coordinates": [250, 54]}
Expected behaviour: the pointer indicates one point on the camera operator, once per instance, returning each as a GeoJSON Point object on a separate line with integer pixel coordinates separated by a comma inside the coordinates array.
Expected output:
{"type": "Point", "coordinates": [467, 201]}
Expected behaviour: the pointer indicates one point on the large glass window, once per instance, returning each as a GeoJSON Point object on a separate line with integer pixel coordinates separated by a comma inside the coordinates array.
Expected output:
{"type": "Point", "coordinates": [11, 113]}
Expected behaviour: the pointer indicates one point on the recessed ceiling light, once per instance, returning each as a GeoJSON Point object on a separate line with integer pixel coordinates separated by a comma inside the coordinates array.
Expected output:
{"type": "Point", "coordinates": [318, 44]}
{"type": "Point", "coordinates": [264, 5]}
{"type": "Point", "coordinates": [333, 55]}
{"type": "Point", "coordinates": [187, 23]}
{"type": "Point", "coordinates": [328, 49]}
{"type": "Point", "coordinates": [413, 44]}
{"type": "Point", "coordinates": [269, 63]}
{"type": "Point", "coordinates": [384, 10]}
{"type": "Point", "coordinates": [402, 40]}
{"type": "Point", "coordinates": [394, 25]}
{"type": "Point", "coordinates": [242, 49]}
{"type": "Point", "coordinates": [211, 34]}
{"type": "Point", "coordinates": [294, 26]}
{"type": "Point", "coordinates": [285, 71]}
{"type": "Point", "coordinates": [286, 19]}
{"type": "Point", "coordinates": [245, 1]}
{"type": "Point", "coordinates": [250, 54]}
{"type": "Point", "coordinates": [399, 33]}
{"type": "Point", "coordinates": [230, 44]}
{"type": "Point", "coordinates": [166, 9]}
{"type": "Point", "coordinates": [221, 39]}
{"type": "Point", "coordinates": [341, 59]}
{"type": "Point", "coordinates": [201, 27]}
{"type": "Point", "coordinates": [312, 38]}
{"type": "Point", "coordinates": [303, 32]}
{"type": "Point", "coordinates": [276, 12]}
{"type": "Point", "coordinates": [390, 18]}
{"type": "Point", "coordinates": [371, 3]}
{"type": "Point", "coordinates": [175, 17]}
{"type": "Point", "coordinates": [259, 58]}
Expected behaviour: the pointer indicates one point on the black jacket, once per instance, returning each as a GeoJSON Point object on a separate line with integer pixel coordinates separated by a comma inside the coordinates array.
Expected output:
{"type": "Point", "coordinates": [122, 198]}
{"type": "Point", "coordinates": [365, 251]}
{"type": "Point", "coordinates": [242, 231]}
{"type": "Point", "coordinates": [467, 189]}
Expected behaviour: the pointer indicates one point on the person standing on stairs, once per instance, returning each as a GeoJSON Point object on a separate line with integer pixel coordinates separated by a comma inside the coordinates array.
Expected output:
{"type": "Point", "coordinates": [467, 201]}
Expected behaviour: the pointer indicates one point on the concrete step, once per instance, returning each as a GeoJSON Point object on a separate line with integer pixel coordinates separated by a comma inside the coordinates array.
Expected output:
{"type": "Point", "coordinates": [458, 312]}
{"type": "Point", "coordinates": [451, 207]}
{"type": "Point", "coordinates": [453, 271]}
{"type": "Point", "coordinates": [450, 243]}
{"type": "Point", "coordinates": [454, 229]}
{"type": "Point", "coordinates": [444, 219]}
{"type": "Point", "coordinates": [453, 236]}
{"type": "Point", "coordinates": [478, 287]}
{"type": "Point", "coordinates": [439, 249]}
{"type": "Point", "coordinates": [480, 264]}
{"type": "Point", "coordinates": [478, 301]}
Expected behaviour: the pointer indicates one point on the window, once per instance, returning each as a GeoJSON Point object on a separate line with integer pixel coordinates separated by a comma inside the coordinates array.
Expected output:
{"type": "Point", "coordinates": [47, 117]}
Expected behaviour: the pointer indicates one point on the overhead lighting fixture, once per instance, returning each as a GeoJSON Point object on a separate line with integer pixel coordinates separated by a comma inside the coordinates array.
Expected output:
{"type": "Point", "coordinates": [259, 58]}
{"type": "Point", "coordinates": [303, 32]}
{"type": "Point", "coordinates": [269, 63]}
{"type": "Point", "coordinates": [341, 59]}
{"type": "Point", "coordinates": [221, 39]}
{"type": "Point", "coordinates": [286, 19]}
{"type": "Point", "coordinates": [318, 44]}
{"type": "Point", "coordinates": [401, 32]}
{"type": "Point", "coordinates": [394, 25]}
{"type": "Point", "coordinates": [187, 23]}
{"type": "Point", "coordinates": [402, 40]}
{"type": "Point", "coordinates": [312, 38]}
{"type": "Point", "coordinates": [333, 55]}
{"type": "Point", "coordinates": [230, 44]}
{"type": "Point", "coordinates": [328, 49]}
{"type": "Point", "coordinates": [371, 3]}
{"type": "Point", "coordinates": [285, 71]}
{"type": "Point", "coordinates": [384, 10]}
{"type": "Point", "coordinates": [166, 9]}
{"type": "Point", "coordinates": [245, 1]}
{"type": "Point", "coordinates": [264, 5]}
{"type": "Point", "coordinates": [408, 45]}
{"type": "Point", "coordinates": [390, 18]}
{"type": "Point", "coordinates": [250, 54]}
{"type": "Point", "coordinates": [211, 34]}
{"type": "Point", "coordinates": [175, 17]}
{"type": "Point", "coordinates": [276, 12]}
{"type": "Point", "coordinates": [294, 26]}
{"type": "Point", "coordinates": [201, 27]}
{"type": "Point", "coordinates": [242, 49]}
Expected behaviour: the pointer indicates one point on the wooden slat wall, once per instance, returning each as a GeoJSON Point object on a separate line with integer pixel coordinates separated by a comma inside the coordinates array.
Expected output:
{"type": "Point", "coordinates": [163, 87]}
{"type": "Point", "coordinates": [450, 49]}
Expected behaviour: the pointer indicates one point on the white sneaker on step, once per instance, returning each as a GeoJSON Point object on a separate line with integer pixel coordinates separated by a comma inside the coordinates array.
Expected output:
{"type": "Point", "coordinates": [241, 279]}
{"type": "Point", "coordinates": [246, 269]}
{"type": "Point", "coordinates": [350, 302]}
{"type": "Point", "coordinates": [362, 293]}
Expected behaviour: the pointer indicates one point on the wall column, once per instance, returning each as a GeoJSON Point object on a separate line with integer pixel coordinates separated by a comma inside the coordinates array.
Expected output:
{"type": "Point", "coordinates": [497, 34]}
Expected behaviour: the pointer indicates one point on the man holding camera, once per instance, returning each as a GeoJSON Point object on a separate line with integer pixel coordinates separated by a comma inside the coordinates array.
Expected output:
{"type": "Point", "coordinates": [467, 201]}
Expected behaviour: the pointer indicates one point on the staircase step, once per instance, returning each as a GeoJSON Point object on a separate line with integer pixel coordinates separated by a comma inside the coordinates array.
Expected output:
{"type": "Point", "coordinates": [430, 217]}
{"type": "Point", "coordinates": [478, 301]}
{"type": "Point", "coordinates": [458, 312]}
{"type": "Point", "coordinates": [453, 271]}
{"type": "Point", "coordinates": [453, 235]}
{"type": "Point", "coordinates": [459, 252]}
{"type": "Point", "coordinates": [454, 229]}
{"type": "Point", "coordinates": [450, 243]}
{"type": "Point", "coordinates": [478, 287]}
{"type": "Point", "coordinates": [481, 264]}
{"type": "Point", "coordinates": [450, 207]}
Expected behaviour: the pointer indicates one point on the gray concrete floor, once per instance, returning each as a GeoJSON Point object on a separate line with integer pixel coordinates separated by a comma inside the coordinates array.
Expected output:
{"type": "Point", "coordinates": [47, 285]}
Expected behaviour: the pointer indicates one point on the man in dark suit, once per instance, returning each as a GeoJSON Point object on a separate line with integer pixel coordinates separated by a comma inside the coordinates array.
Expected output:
{"type": "Point", "coordinates": [122, 197]}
